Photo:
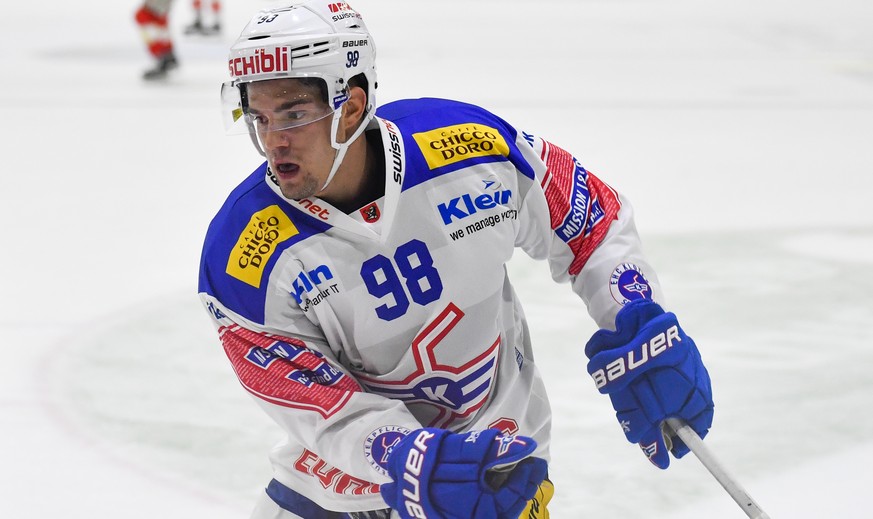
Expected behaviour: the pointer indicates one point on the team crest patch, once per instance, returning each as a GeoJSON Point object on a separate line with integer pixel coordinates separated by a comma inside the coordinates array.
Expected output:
{"type": "Point", "coordinates": [380, 443]}
{"type": "Point", "coordinates": [370, 213]}
{"type": "Point", "coordinates": [628, 283]}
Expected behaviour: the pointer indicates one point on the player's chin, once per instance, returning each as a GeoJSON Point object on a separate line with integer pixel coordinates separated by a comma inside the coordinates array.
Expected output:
{"type": "Point", "coordinates": [297, 187]}
{"type": "Point", "coordinates": [291, 190]}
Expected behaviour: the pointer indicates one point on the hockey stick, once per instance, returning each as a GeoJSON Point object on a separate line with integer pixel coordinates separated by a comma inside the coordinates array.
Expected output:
{"type": "Point", "coordinates": [693, 441]}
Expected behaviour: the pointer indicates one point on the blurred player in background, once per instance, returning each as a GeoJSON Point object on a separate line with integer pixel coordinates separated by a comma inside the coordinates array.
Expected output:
{"type": "Point", "coordinates": [207, 18]}
{"type": "Point", "coordinates": [357, 280]}
{"type": "Point", "coordinates": [152, 19]}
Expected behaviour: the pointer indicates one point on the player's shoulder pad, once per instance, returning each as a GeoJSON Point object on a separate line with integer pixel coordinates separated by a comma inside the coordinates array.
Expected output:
{"type": "Point", "coordinates": [245, 239]}
{"type": "Point", "coordinates": [443, 136]}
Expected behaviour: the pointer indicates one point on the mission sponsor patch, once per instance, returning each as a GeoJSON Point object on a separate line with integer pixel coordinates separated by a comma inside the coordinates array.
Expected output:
{"type": "Point", "coordinates": [256, 244]}
{"type": "Point", "coordinates": [451, 144]}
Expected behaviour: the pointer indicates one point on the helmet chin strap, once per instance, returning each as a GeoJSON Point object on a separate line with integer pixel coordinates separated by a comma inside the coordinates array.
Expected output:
{"type": "Point", "coordinates": [341, 148]}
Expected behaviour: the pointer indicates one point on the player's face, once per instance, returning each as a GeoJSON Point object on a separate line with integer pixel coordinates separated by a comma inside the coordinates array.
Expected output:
{"type": "Point", "coordinates": [293, 125]}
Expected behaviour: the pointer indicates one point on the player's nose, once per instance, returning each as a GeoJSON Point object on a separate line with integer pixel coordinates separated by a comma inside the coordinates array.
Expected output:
{"type": "Point", "coordinates": [276, 139]}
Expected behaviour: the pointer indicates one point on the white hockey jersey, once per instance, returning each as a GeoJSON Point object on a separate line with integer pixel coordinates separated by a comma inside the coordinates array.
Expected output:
{"type": "Point", "coordinates": [353, 329]}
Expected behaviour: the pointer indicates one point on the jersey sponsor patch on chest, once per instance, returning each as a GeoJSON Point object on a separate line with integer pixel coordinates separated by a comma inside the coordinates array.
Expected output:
{"type": "Point", "coordinates": [451, 144]}
{"type": "Point", "coordinates": [310, 287]}
{"type": "Point", "coordinates": [476, 210]}
{"type": "Point", "coordinates": [256, 244]}
{"type": "Point", "coordinates": [469, 204]}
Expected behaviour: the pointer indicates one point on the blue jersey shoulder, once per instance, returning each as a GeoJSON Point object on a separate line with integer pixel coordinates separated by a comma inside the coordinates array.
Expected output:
{"type": "Point", "coordinates": [243, 242]}
{"type": "Point", "coordinates": [442, 136]}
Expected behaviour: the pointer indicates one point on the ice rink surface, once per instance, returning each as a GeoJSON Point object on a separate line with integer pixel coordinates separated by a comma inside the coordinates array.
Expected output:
{"type": "Point", "coordinates": [742, 131]}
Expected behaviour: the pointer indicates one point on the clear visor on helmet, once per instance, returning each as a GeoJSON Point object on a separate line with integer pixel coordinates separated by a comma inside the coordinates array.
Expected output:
{"type": "Point", "coordinates": [277, 104]}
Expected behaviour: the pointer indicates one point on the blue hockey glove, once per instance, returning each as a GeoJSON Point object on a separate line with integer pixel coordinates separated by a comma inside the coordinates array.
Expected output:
{"type": "Point", "coordinates": [480, 474]}
{"type": "Point", "coordinates": [651, 370]}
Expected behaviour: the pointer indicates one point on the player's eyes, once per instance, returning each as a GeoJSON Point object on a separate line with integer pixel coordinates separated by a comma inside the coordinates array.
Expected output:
{"type": "Point", "coordinates": [296, 115]}
{"type": "Point", "coordinates": [256, 118]}
{"type": "Point", "coordinates": [291, 116]}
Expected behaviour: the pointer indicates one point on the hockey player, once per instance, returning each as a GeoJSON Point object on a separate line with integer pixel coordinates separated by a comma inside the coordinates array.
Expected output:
{"type": "Point", "coordinates": [358, 283]}
{"type": "Point", "coordinates": [151, 18]}
{"type": "Point", "coordinates": [202, 17]}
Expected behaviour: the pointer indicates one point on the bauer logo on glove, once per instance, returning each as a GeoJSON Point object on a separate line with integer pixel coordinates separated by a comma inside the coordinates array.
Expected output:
{"type": "Point", "coordinates": [480, 474]}
{"type": "Point", "coordinates": [636, 358]}
{"type": "Point", "coordinates": [651, 371]}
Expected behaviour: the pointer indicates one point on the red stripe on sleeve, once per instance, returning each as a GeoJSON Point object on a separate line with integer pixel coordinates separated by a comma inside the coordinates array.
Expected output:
{"type": "Point", "coordinates": [609, 202]}
{"type": "Point", "coordinates": [581, 206]}
{"type": "Point", "coordinates": [283, 371]}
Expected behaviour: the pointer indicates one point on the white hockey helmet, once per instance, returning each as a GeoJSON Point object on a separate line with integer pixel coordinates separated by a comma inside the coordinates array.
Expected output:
{"type": "Point", "coordinates": [317, 39]}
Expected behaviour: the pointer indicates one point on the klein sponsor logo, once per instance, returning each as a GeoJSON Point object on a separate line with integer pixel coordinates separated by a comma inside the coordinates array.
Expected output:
{"type": "Point", "coordinates": [637, 357]}
{"type": "Point", "coordinates": [451, 144]}
{"type": "Point", "coordinates": [468, 204]}
{"type": "Point", "coordinates": [256, 244]}
{"type": "Point", "coordinates": [465, 205]}
{"type": "Point", "coordinates": [272, 59]}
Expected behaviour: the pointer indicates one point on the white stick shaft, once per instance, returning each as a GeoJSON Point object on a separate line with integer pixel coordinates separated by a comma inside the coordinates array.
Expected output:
{"type": "Point", "coordinates": [693, 441]}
